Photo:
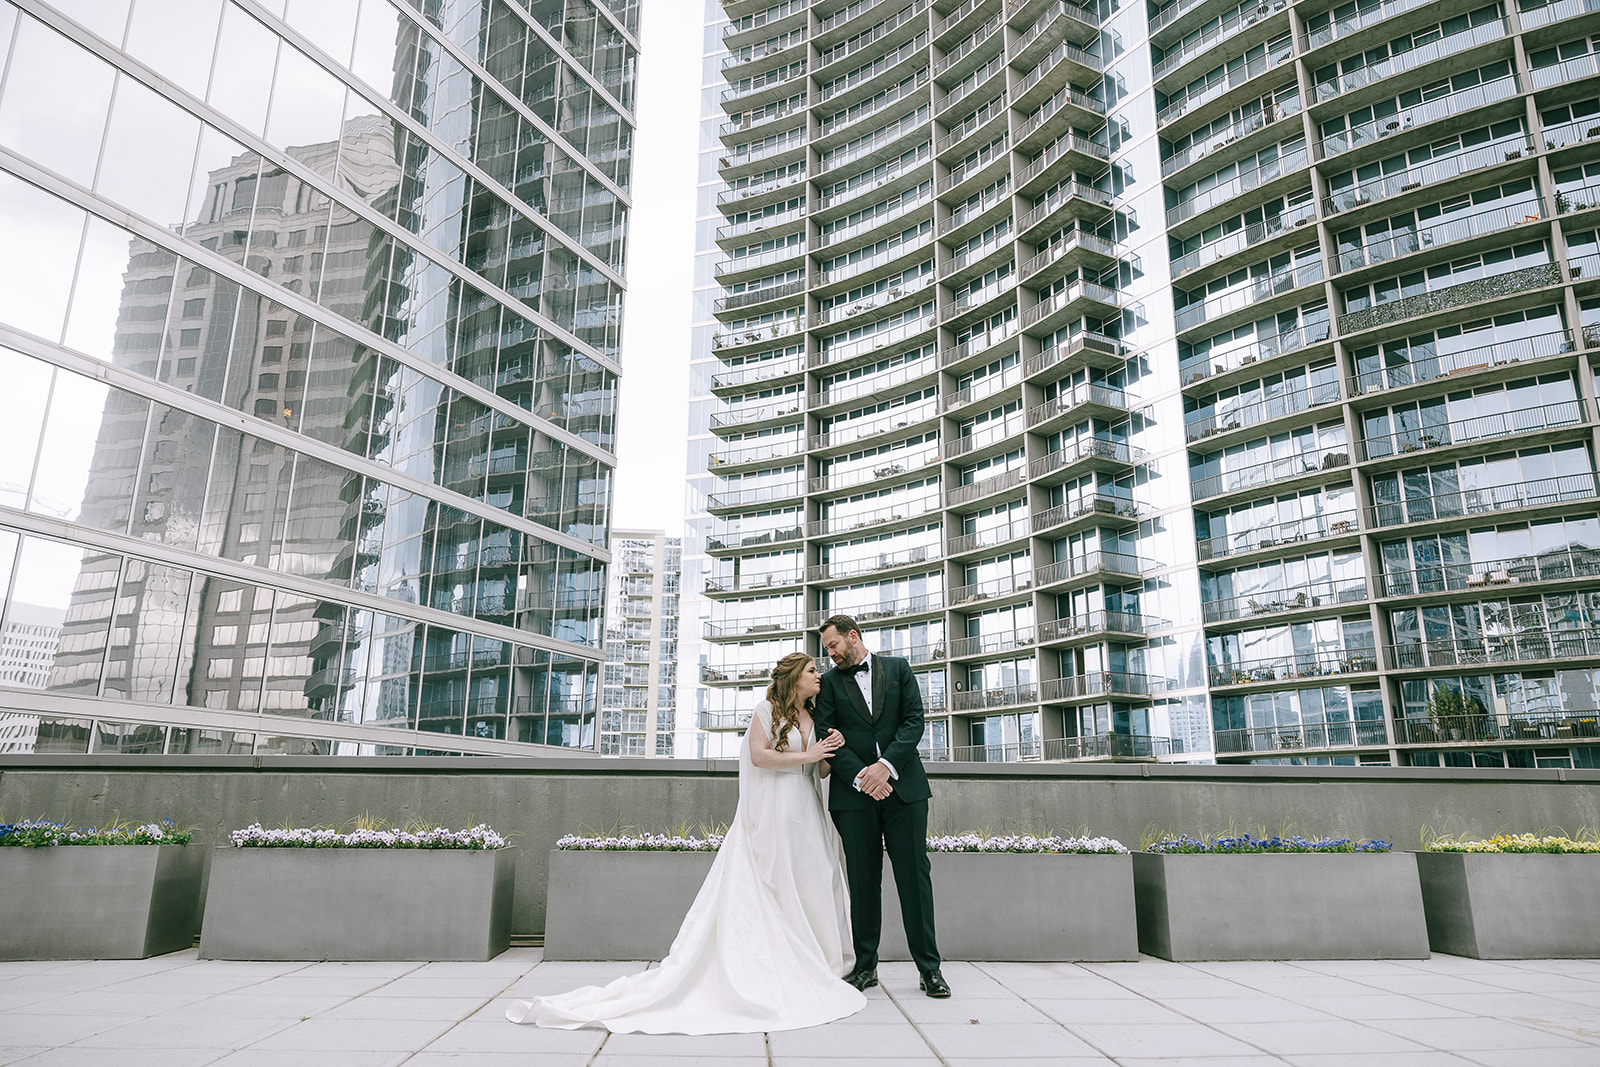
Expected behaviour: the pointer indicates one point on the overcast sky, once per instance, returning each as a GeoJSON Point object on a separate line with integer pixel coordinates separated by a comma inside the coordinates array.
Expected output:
{"type": "Point", "coordinates": [651, 426]}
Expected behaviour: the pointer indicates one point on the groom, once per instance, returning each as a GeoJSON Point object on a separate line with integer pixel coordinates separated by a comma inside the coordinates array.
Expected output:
{"type": "Point", "coordinates": [878, 795]}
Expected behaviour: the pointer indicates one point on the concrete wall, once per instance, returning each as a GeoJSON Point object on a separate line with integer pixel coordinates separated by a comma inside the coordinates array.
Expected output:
{"type": "Point", "coordinates": [535, 801]}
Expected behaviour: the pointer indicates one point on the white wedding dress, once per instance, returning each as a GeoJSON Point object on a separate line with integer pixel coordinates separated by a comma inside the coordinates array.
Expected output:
{"type": "Point", "coordinates": [767, 941]}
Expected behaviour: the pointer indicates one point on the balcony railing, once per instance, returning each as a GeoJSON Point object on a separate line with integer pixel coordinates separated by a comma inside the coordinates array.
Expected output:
{"type": "Point", "coordinates": [1008, 585]}
{"type": "Point", "coordinates": [1002, 697]}
{"type": "Point", "coordinates": [1484, 427]}
{"type": "Point", "coordinates": [1271, 111]}
{"type": "Point", "coordinates": [1444, 232]}
{"type": "Point", "coordinates": [1261, 411]}
{"type": "Point", "coordinates": [754, 52]}
{"type": "Point", "coordinates": [992, 644]}
{"type": "Point", "coordinates": [866, 520]}
{"type": "Point", "coordinates": [1300, 666]}
{"type": "Point", "coordinates": [1097, 562]}
{"type": "Point", "coordinates": [1096, 343]}
{"type": "Point", "coordinates": [873, 69]}
{"type": "Point", "coordinates": [1295, 737]}
{"type": "Point", "coordinates": [1247, 295]}
{"type": "Point", "coordinates": [1522, 647]}
{"type": "Point", "coordinates": [1062, 97]}
{"type": "Point", "coordinates": [1016, 752]}
{"type": "Point", "coordinates": [1238, 19]}
{"type": "Point", "coordinates": [764, 18]}
{"type": "Point", "coordinates": [887, 99]}
{"type": "Point", "coordinates": [735, 193]}
{"type": "Point", "coordinates": [1429, 173]}
{"type": "Point", "coordinates": [1094, 623]}
{"type": "Point", "coordinates": [1233, 79]}
{"type": "Point", "coordinates": [1251, 235]}
{"type": "Point", "coordinates": [1098, 504]}
{"type": "Point", "coordinates": [1452, 104]}
{"type": "Point", "coordinates": [769, 624]}
{"type": "Point", "coordinates": [961, 494]}
{"type": "Point", "coordinates": [1277, 601]}
{"type": "Point", "coordinates": [1475, 729]}
{"type": "Point", "coordinates": [1064, 299]}
{"type": "Point", "coordinates": [1550, 565]}
{"type": "Point", "coordinates": [764, 295]}
{"type": "Point", "coordinates": [855, 44]}
{"type": "Point", "coordinates": [1531, 17]}
{"type": "Point", "coordinates": [907, 204]}
{"type": "Point", "coordinates": [750, 373]}
{"type": "Point", "coordinates": [1273, 470]}
{"type": "Point", "coordinates": [1314, 528]}
{"type": "Point", "coordinates": [920, 604]}
{"type": "Point", "coordinates": [973, 42]}
{"type": "Point", "coordinates": [980, 342]}
{"type": "Point", "coordinates": [1228, 192]}
{"type": "Point", "coordinates": [874, 383]}
{"type": "Point", "coordinates": [1575, 69]}
{"type": "Point", "coordinates": [739, 415]}
{"type": "Point", "coordinates": [1433, 52]}
{"type": "Point", "coordinates": [1058, 199]}
{"type": "Point", "coordinates": [747, 583]}
{"type": "Point", "coordinates": [1085, 448]}
{"type": "Point", "coordinates": [740, 264]}
{"type": "Point", "coordinates": [1270, 348]}
{"type": "Point", "coordinates": [1095, 684]}
{"type": "Point", "coordinates": [1512, 350]}
{"type": "Point", "coordinates": [1541, 492]}
{"type": "Point", "coordinates": [997, 535]}
{"type": "Point", "coordinates": [1358, 19]}
{"type": "Point", "coordinates": [1111, 746]}
{"type": "Point", "coordinates": [1084, 393]}
{"type": "Point", "coordinates": [851, 568]}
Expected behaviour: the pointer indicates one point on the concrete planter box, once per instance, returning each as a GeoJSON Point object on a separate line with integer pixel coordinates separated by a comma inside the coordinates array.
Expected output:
{"type": "Point", "coordinates": [1511, 906]}
{"type": "Point", "coordinates": [1280, 906]}
{"type": "Point", "coordinates": [107, 902]}
{"type": "Point", "coordinates": [989, 906]}
{"type": "Point", "coordinates": [357, 904]}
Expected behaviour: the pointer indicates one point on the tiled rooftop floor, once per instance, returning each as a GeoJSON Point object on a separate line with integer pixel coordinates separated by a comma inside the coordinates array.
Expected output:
{"type": "Point", "coordinates": [176, 1011]}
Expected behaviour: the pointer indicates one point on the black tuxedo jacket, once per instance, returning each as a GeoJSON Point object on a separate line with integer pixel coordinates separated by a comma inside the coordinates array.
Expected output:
{"type": "Point", "coordinates": [895, 730]}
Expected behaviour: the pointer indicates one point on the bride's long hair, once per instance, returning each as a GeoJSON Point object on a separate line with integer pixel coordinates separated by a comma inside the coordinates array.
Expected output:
{"type": "Point", "coordinates": [781, 696]}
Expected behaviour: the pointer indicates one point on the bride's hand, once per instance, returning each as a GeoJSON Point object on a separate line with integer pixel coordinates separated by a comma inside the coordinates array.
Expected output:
{"type": "Point", "coordinates": [827, 746]}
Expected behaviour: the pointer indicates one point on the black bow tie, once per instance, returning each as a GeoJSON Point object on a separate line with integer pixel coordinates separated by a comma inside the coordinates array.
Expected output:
{"type": "Point", "coordinates": [854, 669]}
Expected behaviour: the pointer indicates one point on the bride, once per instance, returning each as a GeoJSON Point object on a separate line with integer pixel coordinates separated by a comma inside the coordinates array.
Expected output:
{"type": "Point", "coordinates": [767, 941]}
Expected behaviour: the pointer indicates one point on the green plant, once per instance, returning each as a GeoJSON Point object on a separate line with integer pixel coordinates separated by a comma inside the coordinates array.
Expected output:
{"type": "Point", "coordinates": [42, 833]}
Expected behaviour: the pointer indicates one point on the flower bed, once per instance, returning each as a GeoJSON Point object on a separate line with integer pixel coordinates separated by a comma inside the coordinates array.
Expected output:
{"type": "Point", "coordinates": [623, 896]}
{"type": "Point", "coordinates": [479, 838]}
{"type": "Point", "coordinates": [1512, 896]}
{"type": "Point", "coordinates": [369, 894]}
{"type": "Point", "coordinates": [1183, 845]}
{"type": "Point", "coordinates": [42, 833]}
{"type": "Point", "coordinates": [1238, 897]}
{"type": "Point", "coordinates": [137, 899]}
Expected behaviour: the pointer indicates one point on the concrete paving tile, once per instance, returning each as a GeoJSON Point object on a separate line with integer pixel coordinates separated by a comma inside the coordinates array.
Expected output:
{"type": "Point", "coordinates": [162, 1032]}
{"type": "Point", "coordinates": [1510, 1005]}
{"type": "Point", "coordinates": [1306, 1038]}
{"type": "Point", "coordinates": [1397, 1059]}
{"type": "Point", "coordinates": [496, 1059]}
{"type": "Point", "coordinates": [1161, 1040]}
{"type": "Point", "coordinates": [410, 986]}
{"type": "Point", "coordinates": [497, 1035]}
{"type": "Point", "coordinates": [244, 1006]}
{"type": "Point", "coordinates": [16, 1053]}
{"type": "Point", "coordinates": [1424, 984]}
{"type": "Point", "coordinates": [1547, 1057]}
{"type": "Point", "coordinates": [590, 970]}
{"type": "Point", "coordinates": [1534, 981]}
{"type": "Point", "coordinates": [961, 1009]}
{"type": "Point", "coordinates": [1262, 970]}
{"type": "Point", "coordinates": [1035, 1061]}
{"type": "Point", "coordinates": [879, 1012]}
{"type": "Point", "coordinates": [534, 986]}
{"type": "Point", "coordinates": [1578, 996]}
{"type": "Point", "coordinates": [1355, 968]}
{"type": "Point", "coordinates": [1313, 989]}
{"type": "Point", "coordinates": [1247, 1007]}
{"type": "Point", "coordinates": [1004, 1041]}
{"type": "Point", "coordinates": [1049, 971]}
{"type": "Point", "coordinates": [1129, 1012]}
{"type": "Point", "coordinates": [1461, 1035]}
{"type": "Point", "coordinates": [257, 1057]}
{"type": "Point", "coordinates": [52, 1030]}
{"type": "Point", "coordinates": [56, 983]}
{"type": "Point", "coordinates": [1589, 968]}
{"type": "Point", "coordinates": [358, 968]}
{"type": "Point", "coordinates": [340, 1035]}
{"type": "Point", "coordinates": [303, 985]}
{"type": "Point", "coordinates": [1182, 986]}
{"type": "Point", "coordinates": [180, 980]}
{"type": "Point", "coordinates": [79, 1056]}
{"type": "Point", "coordinates": [107, 1002]}
{"type": "Point", "coordinates": [500, 966]}
{"type": "Point", "coordinates": [1200, 1061]}
{"type": "Point", "coordinates": [448, 1008]}
{"type": "Point", "coordinates": [867, 1042]}
{"type": "Point", "coordinates": [1374, 1005]}
{"type": "Point", "coordinates": [709, 1045]}
{"type": "Point", "coordinates": [1088, 987]}
{"type": "Point", "coordinates": [610, 1059]}
{"type": "Point", "coordinates": [777, 1060]}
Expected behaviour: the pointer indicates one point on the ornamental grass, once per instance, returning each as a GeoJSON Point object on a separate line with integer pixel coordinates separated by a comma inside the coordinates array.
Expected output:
{"type": "Point", "coordinates": [1584, 843]}
{"type": "Point", "coordinates": [42, 833]}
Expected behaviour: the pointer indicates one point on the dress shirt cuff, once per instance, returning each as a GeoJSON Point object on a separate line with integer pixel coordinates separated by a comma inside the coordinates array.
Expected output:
{"type": "Point", "coordinates": [894, 774]}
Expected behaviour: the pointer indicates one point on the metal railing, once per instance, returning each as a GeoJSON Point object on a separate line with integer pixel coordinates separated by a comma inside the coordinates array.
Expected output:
{"type": "Point", "coordinates": [1314, 528]}
{"type": "Point", "coordinates": [920, 604]}
{"type": "Point", "coordinates": [1465, 431]}
{"type": "Point", "coordinates": [1016, 752]}
{"type": "Point", "coordinates": [1099, 561]}
{"type": "Point", "coordinates": [850, 47]}
{"type": "Point", "coordinates": [1085, 448]}
{"type": "Point", "coordinates": [1428, 368]}
{"type": "Point", "coordinates": [1233, 79]}
{"type": "Point", "coordinates": [1002, 697]}
{"type": "Point", "coordinates": [998, 535]}
{"type": "Point", "coordinates": [1298, 667]}
{"type": "Point", "coordinates": [752, 53]}
{"type": "Point", "coordinates": [1290, 162]}
{"type": "Point", "coordinates": [1541, 492]}
{"type": "Point", "coordinates": [1051, 107]}
{"type": "Point", "coordinates": [1398, 63]}
{"type": "Point", "coordinates": [1210, 364]}
{"type": "Point", "coordinates": [1273, 470]}
{"type": "Point", "coordinates": [1097, 504]}
{"type": "Point", "coordinates": [1430, 173]}
{"type": "Point", "coordinates": [1251, 235]}
{"type": "Point", "coordinates": [1445, 231]}
{"type": "Point", "coordinates": [1111, 746]}
{"type": "Point", "coordinates": [851, 568]}
{"type": "Point", "coordinates": [980, 342]}
{"type": "Point", "coordinates": [1058, 353]}
{"type": "Point", "coordinates": [1363, 17]}
{"type": "Point", "coordinates": [1260, 411]}
{"type": "Point", "coordinates": [1239, 18]}
{"type": "Point", "coordinates": [1517, 647]}
{"type": "Point", "coordinates": [751, 373]}
{"type": "Point", "coordinates": [1094, 684]}
{"type": "Point", "coordinates": [907, 203]}
{"type": "Point", "coordinates": [1297, 736]}
{"type": "Point", "coordinates": [1277, 601]}
{"type": "Point", "coordinates": [885, 99]}
{"type": "Point", "coordinates": [1476, 291]}
{"type": "Point", "coordinates": [1248, 294]}
{"type": "Point", "coordinates": [1550, 565]}
{"type": "Point", "coordinates": [1272, 111]}
{"type": "Point", "coordinates": [1076, 397]}
{"type": "Point", "coordinates": [1058, 199]}
{"type": "Point", "coordinates": [849, 522]}
{"type": "Point", "coordinates": [962, 494]}
{"type": "Point", "coordinates": [1064, 299]}
{"type": "Point", "coordinates": [740, 264]}
{"type": "Point", "coordinates": [735, 193]}
{"type": "Point", "coordinates": [1452, 104]}
{"type": "Point", "coordinates": [874, 383]}
{"type": "Point", "coordinates": [1092, 623]}
{"type": "Point", "coordinates": [1007, 585]}
{"type": "Point", "coordinates": [873, 69]}
{"type": "Point", "coordinates": [1531, 17]}
{"type": "Point", "coordinates": [992, 644]}
{"type": "Point", "coordinates": [973, 42]}
{"type": "Point", "coordinates": [1494, 726]}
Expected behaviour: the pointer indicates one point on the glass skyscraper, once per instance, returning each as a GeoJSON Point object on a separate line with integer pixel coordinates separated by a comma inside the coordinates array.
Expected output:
{"type": "Point", "coordinates": [309, 315]}
{"type": "Point", "coordinates": [1197, 380]}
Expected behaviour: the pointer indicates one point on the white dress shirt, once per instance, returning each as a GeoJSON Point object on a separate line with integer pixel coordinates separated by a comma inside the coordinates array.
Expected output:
{"type": "Point", "coordinates": [863, 680]}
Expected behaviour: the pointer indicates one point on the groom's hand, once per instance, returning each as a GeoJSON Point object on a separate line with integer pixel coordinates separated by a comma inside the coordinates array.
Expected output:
{"type": "Point", "coordinates": [874, 781]}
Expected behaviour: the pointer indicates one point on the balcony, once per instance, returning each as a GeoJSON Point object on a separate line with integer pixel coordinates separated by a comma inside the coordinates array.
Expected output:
{"type": "Point", "coordinates": [1296, 668]}
{"type": "Point", "coordinates": [1534, 420]}
{"type": "Point", "coordinates": [870, 385]}
{"type": "Point", "coordinates": [746, 197]}
{"type": "Point", "coordinates": [906, 16]}
{"type": "Point", "coordinates": [1478, 291]}
{"type": "Point", "coordinates": [1093, 686]}
{"type": "Point", "coordinates": [1235, 22]}
{"type": "Point", "coordinates": [992, 437]}
{"type": "Point", "coordinates": [1541, 493]}
{"type": "Point", "coordinates": [1471, 361]}
{"type": "Point", "coordinates": [1526, 646]}
{"type": "Point", "coordinates": [1084, 350]}
{"type": "Point", "coordinates": [1261, 412]}
{"type": "Point", "coordinates": [1070, 151]}
{"type": "Point", "coordinates": [754, 53]}
{"type": "Point", "coordinates": [1110, 748]}
{"type": "Point", "coordinates": [1064, 63]}
{"type": "Point", "coordinates": [1093, 626]}
{"type": "Point", "coordinates": [1314, 596]}
{"type": "Point", "coordinates": [732, 268]}
{"type": "Point", "coordinates": [1255, 234]}
{"type": "Point", "coordinates": [865, 76]}
{"type": "Point", "coordinates": [1274, 472]}
{"type": "Point", "coordinates": [992, 644]}
{"type": "Point", "coordinates": [749, 374]}
{"type": "Point", "coordinates": [964, 57]}
{"type": "Point", "coordinates": [995, 589]}
{"type": "Point", "coordinates": [1088, 568]}
{"type": "Point", "coordinates": [1084, 454]}
{"type": "Point", "coordinates": [729, 584]}
{"type": "Point", "coordinates": [987, 487]}
{"type": "Point", "coordinates": [981, 345]}
{"type": "Point", "coordinates": [1083, 200]}
{"type": "Point", "coordinates": [1248, 355]}
{"type": "Point", "coordinates": [760, 224]}
{"type": "Point", "coordinates": [1359, 19]}
{"type": "Point", "coordinates": [1232, 138]}
{"type": "Point", "coordinates": [1445, 232]}
{"type": "Point", "coordinates": [1433, 52]}
{"type": "Point", "coordinates": [897, 608]}
{"type": "Point", "coordinates": [1068, 104]}
{"type": "Point", "coordinates": [1085, 400]}
{"type": "Point", "coordinates": [1388, 186]}
{"type": "Point", "coordinates": [1075, 250]}
{"type": "Point", "coordinates": [846, 569]}
{"type": "Point", "coordinates": [1529, 728]}
{"type": "Point", "coordinates": [1009, 696]}
{"type": "Point", "coordinates": [1067, 305]}
{"type": "Point", "coordinates": [1095, 510]}
{"type": "Point", "coordinates": [1278, 535]}
{"type": "Point", "coordinates": [1234, 79]}
{"type": "Point", "coordinates": [1452, 104]}
{"type": "Point", "coordinates": [850, 522]}
{"type": "Point", "coordinates": [748, 417]}
{"type": "Point", "coordinates": [739, 336]}
{"type": "Point", "coordinates": [746, 629]}
{"type": "Point", "coordinates": [1549, 565]}
{"type": "Point", "coordinates": [776, 452]}
{"type": "Point", "coordinates": [1248, 296]}
{"type": "Point", "coordinates": [1297, 737]}
{"type": "Point", "coordinates": [734, 499]}
{"type": "Point", "coordinates": [772, 84]}
{"type": "Point", "coordinates": [771, 294]}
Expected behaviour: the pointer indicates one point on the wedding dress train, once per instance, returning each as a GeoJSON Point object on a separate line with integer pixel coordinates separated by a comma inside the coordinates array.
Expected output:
{"type": "Point", "coordinates": [768, 938]}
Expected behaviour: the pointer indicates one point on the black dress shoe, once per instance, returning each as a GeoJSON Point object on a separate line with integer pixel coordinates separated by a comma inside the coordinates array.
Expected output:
{"type": "Point", "coordinates": [933, 984]}
{"type": "Point", "coordinates": [863, 979]}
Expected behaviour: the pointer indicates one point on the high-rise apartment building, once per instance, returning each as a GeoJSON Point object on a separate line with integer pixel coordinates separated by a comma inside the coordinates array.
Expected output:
{"type": "Point", "coordinates": [310, 320]}
{"type": "Point", "coordinates": [1198, 380]}
{"type": "Point", "coordinates": [639, 701]}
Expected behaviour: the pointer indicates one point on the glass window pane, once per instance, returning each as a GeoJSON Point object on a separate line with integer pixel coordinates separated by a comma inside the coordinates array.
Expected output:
{"type": "Point", "coordinates": [303, 655]}
{"type": "Point", "coordinates": [330, 24]}
{"type": "Point", "coordinates": [81, 585]}
{"type": "Point", "coordinates": [241, 84]}
{"type": "Point", "coordinates": [307, 105]}
{"type": "Point", "coordinates": [72, 430]}
{"type": "Point", "coordinates": [65, 136]}
{"type": "Point", "coordinates": [41, 235]}
{"type": "Point", "coordinates": [148, 630]}
{"type": "Point", "coordinates": [177, 40]}
{"type": "Point", "coordinates": [149, 152]}
{"type": "Point", "coordinates": [22, 409]}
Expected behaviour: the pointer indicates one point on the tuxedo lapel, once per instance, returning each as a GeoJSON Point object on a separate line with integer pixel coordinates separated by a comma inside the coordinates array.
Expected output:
{"type": "Point", "coordinates": [879, 669]}
{"type": "Point", "coordinates": [853, 692]}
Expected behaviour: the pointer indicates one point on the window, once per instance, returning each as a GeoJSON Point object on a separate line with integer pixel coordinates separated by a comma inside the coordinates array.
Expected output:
{"type": "Point", "coordinates": [194, 308]}
{"type": "Point", "coordinates": [268, 380]}
{"type": "Point", "coordinates": [266, 407]}
{"type": "Point", "coordinates": [188, 338]}
{"type": "Point", "coordinates": [186, 365]}
{"type": "Point", "coordinates": [277, 327]}
{"type": "Point", "coordinates": [272, 354]}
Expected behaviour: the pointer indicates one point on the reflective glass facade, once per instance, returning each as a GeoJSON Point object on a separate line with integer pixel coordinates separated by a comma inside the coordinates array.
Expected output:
{"type": "Point", "coordinates": [310, 318]}
{"type": "Point", "coordinates": [639, 702]}
{"type": "Point", "coordinates": [1192, 380]}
